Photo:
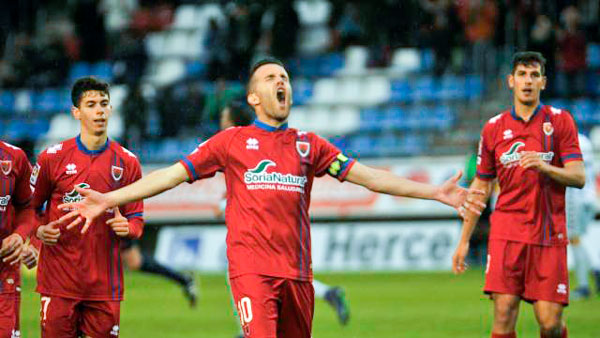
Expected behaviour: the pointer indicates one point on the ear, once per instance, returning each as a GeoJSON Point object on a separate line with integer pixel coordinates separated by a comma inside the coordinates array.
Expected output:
{"type": "Point", "coordinates": [253, 99]}
{"type": "Point", "coordinates": [511, 81]}
{"type": "Point", "coordinates": [544, 80]}
{"type": "Point", "coordinates": [75, 112]}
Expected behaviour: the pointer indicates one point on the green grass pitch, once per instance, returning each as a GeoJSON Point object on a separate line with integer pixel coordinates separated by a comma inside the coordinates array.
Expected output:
{"type": "Point", "coordinates": [382, 305]}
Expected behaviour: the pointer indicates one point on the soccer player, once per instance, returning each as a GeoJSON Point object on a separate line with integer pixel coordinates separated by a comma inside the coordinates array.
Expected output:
{"type": "Point", "coordinates": [80, 276]}
{"type": "Point", "coordinates": [135, 260]}
{"type": "Point", "coordinates": [236, 114]}
{"type": "Point", "coordinates": [580, 209]}
{"type": "Point", "coordinates": [532, 150]}
{"type": "Point", "coordinates": [269, 169]}
{"type": "Point", "coordinates": [16, 223]}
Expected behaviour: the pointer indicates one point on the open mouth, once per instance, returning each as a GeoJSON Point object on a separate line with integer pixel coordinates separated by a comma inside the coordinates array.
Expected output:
{"type": "Point", "coordinates": [527, 91]}
{"type": "Point", "coordinates": [281, 95]}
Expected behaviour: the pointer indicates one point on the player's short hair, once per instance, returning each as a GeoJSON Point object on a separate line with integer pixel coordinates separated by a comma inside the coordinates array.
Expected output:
{"type": "Point", "coordinates": [239, 113]}
{"type": "Point", "coordinates": [87, 83]}
{"type": "Point", "coordinates": [528, 58]}
{"type": "Point", "coordinates": [258, 64]}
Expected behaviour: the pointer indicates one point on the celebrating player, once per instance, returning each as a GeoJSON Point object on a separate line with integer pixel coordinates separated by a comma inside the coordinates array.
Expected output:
{"type": "Point", "coordinates": [16, 223]}
{"type": "Point", "coordinates": [80, 276]}
{"type": "Point", "coordinates": [269, 169]}
{"type": "Point", "coordinates": [533, 151]}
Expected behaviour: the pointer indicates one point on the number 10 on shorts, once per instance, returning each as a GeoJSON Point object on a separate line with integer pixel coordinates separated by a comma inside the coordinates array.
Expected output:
{"type": "Point", "coordinates": [245, 310]}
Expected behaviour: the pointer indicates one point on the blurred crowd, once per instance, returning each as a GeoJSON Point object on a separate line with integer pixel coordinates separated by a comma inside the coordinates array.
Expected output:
{"type": "Point", "coordinates": [40, 40]}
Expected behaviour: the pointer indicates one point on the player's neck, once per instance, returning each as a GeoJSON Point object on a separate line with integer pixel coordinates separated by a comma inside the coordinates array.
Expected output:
{"type": "Point", "coordinates": [93, 142]}
{"type": "Point", "coordinates": [270, 122]}
{"type": "Point", "coordinates": [525, 111]}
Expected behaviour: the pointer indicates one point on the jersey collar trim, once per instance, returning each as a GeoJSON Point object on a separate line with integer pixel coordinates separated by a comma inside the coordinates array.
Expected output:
{"type": "Point", "coordinates": [513, 113]}
{"type": "Point", "coordinates": [267, 127]}
{"type": "Point", "coordinates": [85, 150]}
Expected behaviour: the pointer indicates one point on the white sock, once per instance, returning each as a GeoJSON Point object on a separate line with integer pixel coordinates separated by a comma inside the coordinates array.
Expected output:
{"type": "Point", "coordinates": [582, 265]}
{"type": "Point", "coordinates": [320, 289]}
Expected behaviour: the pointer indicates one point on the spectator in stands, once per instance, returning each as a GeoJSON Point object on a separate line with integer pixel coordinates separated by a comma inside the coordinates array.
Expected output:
{"type": "Point", "coordinates": [284, 31]}
{"type": "Point", "coordinates": [89, 26]}
{"type": "Point", "coordinates": [217, 100]}
{"type": "Point", "coordinates": [217, 53]}
{"type": "Point", "coordinates": [130, 58]}
{"type": "Point", "coordinates": [242, 34]}
{"type": "Point", "coordinates": [542, 39]}
{"type": "Point", "coordinates": [439, 29]}
{"type": "Point", "coordinates": [135, 114]}
{"type": "Point", "coordinates": [572, 54]}
{"type": "Point", "coordinates": [349, 30]}
{"type": "Point", "coordinates": [479, 22]}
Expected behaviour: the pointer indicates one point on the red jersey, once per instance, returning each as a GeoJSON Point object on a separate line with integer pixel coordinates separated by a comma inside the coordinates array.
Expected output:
{"type": "Point", "coordinates": [531, 205]}
{"type": "Point", "coordinates": [269, 173]}
{"type": "Point", "coordinates": [84, 266]}
{"type": "Point", "coordinates": [15, 207]}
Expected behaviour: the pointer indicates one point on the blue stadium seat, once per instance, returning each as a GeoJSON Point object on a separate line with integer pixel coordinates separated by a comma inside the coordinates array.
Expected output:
{"type": "Point", "coordinates": [195, 69]}
{"type": "Point", "coordinates": [444, 117]}
{"type": "Point", "coordinates": [361, 146]}
{"type": "Point", "coordinates": [328, 64]}
{"type": "Point", "coordinates": [16, 129]}
{"type": "Point", "coordinates": [474, 86]}
{"type": "Point", "coordinates": [37, 127]}
{"type": "Point", "coordinates": [303, 91]}
{"type": "Point", "coordinates": [46, 102]}
{"type": "Point", "coordinates": [593, 55]}
{"type": "Point", "coordinates": [78, 70]}
{"type": "Point", "coordinates": [7, 102]}
{"type": "Point", "coordinates": [387, 144]}
{"type": "Point", "coordinates": [395, 118]}
{"type": "Point", "coordinates": [401, 91]}
{"type": "Point", "coordinates": [102, 70]}
{"type": "Point", "coordinates": [425, 89]}
{"type": "Point", "coordinates": [583, 110]}
{"type": "Point", "coordinates": [452, 88]}
{"type": "Point", "coordinates": [340, 142]}
{"type": "Point", "coordinates": [65, 100]}
{"type": "Point", "coordinates": [372, 119]}
{"type": "Point", "coordinates": [427, 60]}
{"type": "Point", "coordinates": [558, 103]}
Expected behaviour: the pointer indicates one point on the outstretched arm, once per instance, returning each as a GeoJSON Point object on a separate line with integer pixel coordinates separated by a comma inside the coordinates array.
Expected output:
{"type": "Point", "coordinates": [469, 222]}
{"type": "Point", "coordinates": [96, 203]}
{"type": "Point", "coordinates": [383, 181]}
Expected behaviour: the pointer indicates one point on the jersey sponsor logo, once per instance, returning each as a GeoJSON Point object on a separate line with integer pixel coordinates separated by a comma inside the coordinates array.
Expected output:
{"type": "Point", "coordinates": [73, 195]}
{"type": "Point", "coordinates": [54, 149]}
{"type": "Point", "coordinates": [258, 178]}
{"type": "Point", "coordinates": [4, 200]}
{"type": "Point", "coordinates": [507, 134]}
{"type": "Point", "coordinates": [512, 155]}
{"type": "Point", "coordinates": [71, 169]}
{"type": "Point", "coordinates": [303, 148]}
{"type": "Point", "coordinates": [34, 174]}
{"type": "Point", "coordinates": [252, 144]}
{"type": "Point", "coordinates": [547, 128]}
{"type": "Point", "coordinates": [6, 166]}
{"type": "Point", "coordinates": [116, 173]}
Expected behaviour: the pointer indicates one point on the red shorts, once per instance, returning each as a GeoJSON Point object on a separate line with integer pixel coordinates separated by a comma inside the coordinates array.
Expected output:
{"type": "Point", "coordinates": [9, 315]}
{"type": "Point", "coordinates": [271, 307]}
{"type": "Point", "coordinates": [533, 272]}
{"type": "Point", "coordinates": [70, 318]}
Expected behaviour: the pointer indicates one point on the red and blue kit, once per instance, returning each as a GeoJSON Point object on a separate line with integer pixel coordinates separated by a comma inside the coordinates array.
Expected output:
{"type": "Point", "coordinates": [84, 267]}
{"type": "Point", "coordinates": [531, 206]}
{"type": "Point", "coordinates": [269, 174]}
{"type": "Point", "coordinates": [16, 216]}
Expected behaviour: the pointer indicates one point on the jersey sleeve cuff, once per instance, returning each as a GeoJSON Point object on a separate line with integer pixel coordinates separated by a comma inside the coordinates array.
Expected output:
{"type": "Point", "coordinates": [571, 157]}
{"type": "Point", "coordinates": [189, 168]}
{"type": "Point", "coordinates": [346, 169]}
{"type": "Point", "coordinates": [485, 176]}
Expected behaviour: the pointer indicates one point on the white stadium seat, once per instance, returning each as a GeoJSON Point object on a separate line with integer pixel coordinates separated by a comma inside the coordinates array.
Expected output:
{"type": "Point", "coordinates": [405, 60]}
{"type": "Point", "coordinates": [185, 17]}
{"type": "Point", "coordinates": [325, 91]}
{"type": "Point", "coordinates": [356, 60]}
{"type": "Point", "coordinates": [313, 12]}
{"type": "Point", "coordinates": [377, 89]}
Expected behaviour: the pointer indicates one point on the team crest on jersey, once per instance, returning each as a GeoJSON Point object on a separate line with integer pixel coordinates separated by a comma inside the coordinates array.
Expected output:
{"type": "Point", "coordinates": [303, 148]}
{"type": "Point", "coordinates": [116, 172]}
{"type": "Point", "coordinates": [548, 128]}
{"type": "Point", "coordinates": [6, 166]}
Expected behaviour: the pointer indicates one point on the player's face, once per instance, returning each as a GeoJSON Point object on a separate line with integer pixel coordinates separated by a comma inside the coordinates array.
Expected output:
{"type": "Point", "coordinates": [527, 82]}
{"type": "Point", "coordinates": [271, 93]}
{"type": "Point", "coordinates": [225, 121]}
{"type": "Point", "coordinates": [93, 112]}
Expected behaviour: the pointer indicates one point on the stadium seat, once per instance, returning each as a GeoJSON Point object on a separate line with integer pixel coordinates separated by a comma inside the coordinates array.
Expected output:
{"type": "Point", "coordinates": [155, 44]}
{"type": "Point", "coordinates": [356, 60]}
{"type": "Point", "coordinates": [23, 100]}
{"type": "Point", "coordinates": [37, 128]}
{"type": "Point", "coordinates": [344, 120]}
{"type": "Point", "coordinates": [207, 11]}
{"type": "Point", "coordinates": [405, 60]}
{"type": "Point", "coordinates": [168, 71]}
{"type": "Point", "coordinates": [452, 88]}
{"type": "Point", "coordinates": [474, 86]}
{"type": "Point", "coordinates": [583, 110]}
{"type": "Point", "coordinates": [372, 119]}
{"type": "Point", "coordinates": [48, 101]}
{"type": "Point", "coordinates": [16, 129]}
{"type": "Point", "coordinates": [78, 70]}
{"type": "Point", "coordinates": [195, 69]}
{"type": "Point", "coordinates": [376, 90]}
{"type": "Point", "coordinates": [425, 88]}
{"type": "Point", "coordinates": [329, 64]}
{"type": "Point", "coordinates": [400, 91]}
{"type": "Point", "coordinates": [325, 91]}
{"type": "Point", "coordinates": [62, 126]}
{"type": "Point", "coordinates": [176, 44]}
{"type": "Point", "coordinates": [321, 120]}
{"type": "Point", "coordinates": [427, 60]}
{"type": "Point", "coordinates": [185, 17]}
{"type": "Point", "coordinates": [313, 39]}
{"type": "Point", "coordinates": [593, 55]}
{"type": "Point", "coordinates": [350, 91]}
{"type": "Point", "coordinates": [303, 91]}
{"type": "Point", "coordinates": [7, 102]}
{"type": "Point", "coordinates": [361, 145]}
{"type": "Point", "coordinates": [395, 119]}
{"type": "Point", "coordinates": [312, 12]}
{"type": "Point", "coordinates": [300, 119]}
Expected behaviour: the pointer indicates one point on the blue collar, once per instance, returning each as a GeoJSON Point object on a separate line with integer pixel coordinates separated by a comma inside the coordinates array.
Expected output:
{"type": "Point", "coordinates": [85, 150]}
{"type": "Point", "coordinates": [267, 127]}
{"type": "Point", "coordinates": [513, 113]}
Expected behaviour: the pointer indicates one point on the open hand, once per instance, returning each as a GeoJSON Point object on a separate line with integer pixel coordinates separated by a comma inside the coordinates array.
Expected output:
{"type": "Point", "coordinates": [89, 208]}
{"type": "Point", "coordinates": [459, 198]}
{"type": "Point", "coordinates": [458, 259]}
